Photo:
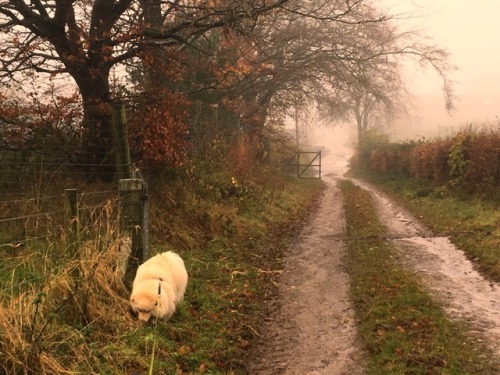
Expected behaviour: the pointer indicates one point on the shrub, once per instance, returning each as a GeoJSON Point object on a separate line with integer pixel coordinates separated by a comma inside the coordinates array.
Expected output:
{"type": "Point", "coordinates": [468, 161]}
{"type": "Point", "coordinates": [484, 160]}
{"type": "Point", "coordinates": [370, 140]}
{"type": "Point", "coordinates": [429, 160]}
{"type": "Point", "coordinates": [458, 159]}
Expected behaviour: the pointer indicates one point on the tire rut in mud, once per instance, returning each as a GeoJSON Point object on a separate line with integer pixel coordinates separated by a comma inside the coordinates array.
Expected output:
{"type": "Point", "coordinates": [311, 328]}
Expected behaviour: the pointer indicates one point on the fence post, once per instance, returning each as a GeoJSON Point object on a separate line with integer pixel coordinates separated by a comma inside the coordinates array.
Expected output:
{"type": "Point", "coordinates": [320, 164]}
{"type": "Point", "coordinates": [145, 221]}
{"type": "Point", "coordinates": [298, 163]}
{"type": "Point", "coordinates": [123, 167]}
{"type": "Point", "coordinates": [73, 217]}
{"type": "Point", "coordinates": [72, 213]}
{"type": "Point", "coordinates": [132, 199]}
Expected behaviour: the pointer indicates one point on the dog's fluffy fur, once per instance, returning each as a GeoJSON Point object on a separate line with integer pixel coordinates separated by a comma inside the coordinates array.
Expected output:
{"type": "Point", "coordinates": [164, 273]}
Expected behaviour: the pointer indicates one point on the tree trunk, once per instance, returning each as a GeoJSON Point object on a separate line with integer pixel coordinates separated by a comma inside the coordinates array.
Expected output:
{"type": "Point", "coordinates": [359, 118]}
{"type": "Point", "coordinates": [96, 153]}
{"type": "Point", "coordinates": [89, 60]}
{"type": "Point", "coordinates": [154, 71]}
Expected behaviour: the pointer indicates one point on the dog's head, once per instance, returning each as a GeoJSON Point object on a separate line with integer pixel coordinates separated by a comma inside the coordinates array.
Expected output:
{"type": "Point", "coordinates": [145, 301]}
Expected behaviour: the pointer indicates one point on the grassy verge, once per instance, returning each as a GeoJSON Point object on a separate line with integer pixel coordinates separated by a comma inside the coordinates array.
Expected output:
{"type": "Point", "coordinates": [230, 277]}
{"type": "Point", "coordinates": [471, 222]}
{"type": "Point", "coordinates": [404, 330]}
{"type": "Point", "coordinates": [54, 322]}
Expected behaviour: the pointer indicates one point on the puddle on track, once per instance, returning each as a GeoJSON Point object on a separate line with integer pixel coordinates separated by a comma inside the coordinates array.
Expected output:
{"type": "Point", "coordinates": [444, 269]}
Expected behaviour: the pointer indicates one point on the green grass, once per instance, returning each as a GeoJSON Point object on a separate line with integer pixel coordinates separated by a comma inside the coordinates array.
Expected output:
{"type": "Point", "coordinates": [229, 279]}
{"type": "Point", "coordinates": [471, 222]}
{"type": "Point", "coordinates": [53, 323]}
{"type": "Point", "coordinates": [405, 331]}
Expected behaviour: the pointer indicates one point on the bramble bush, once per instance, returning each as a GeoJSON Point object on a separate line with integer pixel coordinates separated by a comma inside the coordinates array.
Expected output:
{"type": "Point", "coordinates": [468, 161]}
{"type": "Point", "coordinates": [429, 160]}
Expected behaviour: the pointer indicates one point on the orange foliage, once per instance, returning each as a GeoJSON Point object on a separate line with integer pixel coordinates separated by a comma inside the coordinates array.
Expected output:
{"type": "Point", "coordinates": [242, 155]}
{"type": "Point", "coordinates": [236, 55]}
{"type": "Point", "coordinates": [430, 160]}
{"type": "Point", "coordinates": [158, 129]}
{"type": "Point", "coordinates": [484, 155]}
{"type": "Point", "coordinates": [470, 160]}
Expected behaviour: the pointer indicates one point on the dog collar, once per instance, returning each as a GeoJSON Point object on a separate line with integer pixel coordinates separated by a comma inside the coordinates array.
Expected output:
{"type": "Point", "coordinates": [159, 287]}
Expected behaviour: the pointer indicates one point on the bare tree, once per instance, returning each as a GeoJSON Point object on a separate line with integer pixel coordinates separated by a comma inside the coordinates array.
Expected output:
{"type": "Point", "coordinates": [345, 56]}
{"type": "Point", "coordinates": [87, 39]}
{"type": "Point", "coordinates": [373, 86]}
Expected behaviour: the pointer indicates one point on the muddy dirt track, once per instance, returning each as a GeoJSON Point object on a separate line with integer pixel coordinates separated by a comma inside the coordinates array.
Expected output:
{"type": "Point", "coordinates": [311, 330]}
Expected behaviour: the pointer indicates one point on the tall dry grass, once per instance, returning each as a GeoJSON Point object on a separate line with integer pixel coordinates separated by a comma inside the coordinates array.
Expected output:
{"type": "Point", "coordinates": [45, 325]}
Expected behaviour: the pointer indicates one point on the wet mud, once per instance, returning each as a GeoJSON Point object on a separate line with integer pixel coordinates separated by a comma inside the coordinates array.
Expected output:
{"type": "Point", "coordinates": [311, 328]}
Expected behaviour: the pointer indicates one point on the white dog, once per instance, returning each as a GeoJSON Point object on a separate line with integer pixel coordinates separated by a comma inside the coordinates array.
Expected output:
{"type": "Point", "coordinates": [159, 286]}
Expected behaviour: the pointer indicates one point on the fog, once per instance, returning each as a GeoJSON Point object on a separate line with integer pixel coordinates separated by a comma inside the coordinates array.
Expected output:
{"type": "Point", "coordinates": [469, 32]}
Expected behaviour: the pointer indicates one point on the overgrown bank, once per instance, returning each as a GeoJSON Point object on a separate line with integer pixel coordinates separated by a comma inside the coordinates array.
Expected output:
{"type": "Point", "coordinates": [467, 163]}
{"type": "Point", "coordinates": [404, 329]}
{"type": "Point", "coordinates": [65, 311]}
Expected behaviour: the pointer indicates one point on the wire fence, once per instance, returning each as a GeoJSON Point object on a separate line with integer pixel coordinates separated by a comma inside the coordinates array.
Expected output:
{"type": "Point", "coordinates": [34, 206]}
{"type": "Point", "coordinates": [40, 165]}
{"type": "Point", "coordinates": [59, 188]}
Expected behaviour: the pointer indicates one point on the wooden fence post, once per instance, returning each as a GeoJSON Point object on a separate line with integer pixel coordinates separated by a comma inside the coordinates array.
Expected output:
{"type": "Point", "coordinates": [72, 213]}
{"type": "Point", "coordinates": [145, 221]}
{"type": "Point", "coordinates": [122, 153]}
{"type": "Point", "coordinates": [298, 163]}
{"type": "Point", "coordinates": [73, 217]}
{"type": "Point", "coordinates": [132, 223]}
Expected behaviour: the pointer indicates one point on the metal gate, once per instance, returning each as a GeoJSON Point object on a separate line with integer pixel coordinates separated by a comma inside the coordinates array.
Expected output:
{"type": "Point", "coordinates": [308, 164]}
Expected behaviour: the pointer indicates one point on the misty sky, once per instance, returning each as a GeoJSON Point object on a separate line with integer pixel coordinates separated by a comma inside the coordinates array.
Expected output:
{"type": "Point", "coordinates": [469, 31]}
